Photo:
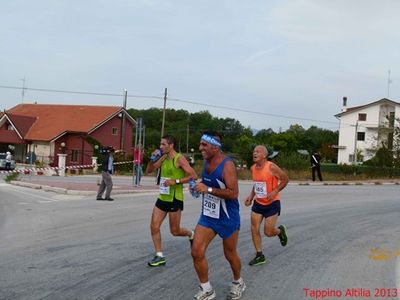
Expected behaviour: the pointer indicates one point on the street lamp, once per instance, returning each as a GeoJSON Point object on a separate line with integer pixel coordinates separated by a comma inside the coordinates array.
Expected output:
{"type": "Point", "coordinates": [192, 157]}
{"type": "Point", "coordinates": [62, 147]}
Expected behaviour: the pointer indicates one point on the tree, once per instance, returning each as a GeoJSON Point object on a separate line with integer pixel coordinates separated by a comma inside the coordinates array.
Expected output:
{"type": "Point", "coordinates": [396, 143]}
{"type": "Point", "coordinates": [188, 127]}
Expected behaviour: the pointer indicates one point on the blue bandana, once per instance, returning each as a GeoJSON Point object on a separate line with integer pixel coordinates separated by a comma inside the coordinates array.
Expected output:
{"type": "Point", "coordinates": [211, 140]}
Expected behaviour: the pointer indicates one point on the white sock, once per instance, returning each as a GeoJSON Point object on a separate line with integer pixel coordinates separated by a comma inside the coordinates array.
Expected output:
{"type": "Point", "coordinates": [240, 280]}
{"type": "Point", "coordinates": [160, 254]}
{"type": "Point", "coordinates": [206, 286]}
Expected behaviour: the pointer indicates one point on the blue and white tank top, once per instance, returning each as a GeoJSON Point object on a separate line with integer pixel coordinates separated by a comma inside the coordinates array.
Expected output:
{"type": "Point", "coordinates": [216, 208]}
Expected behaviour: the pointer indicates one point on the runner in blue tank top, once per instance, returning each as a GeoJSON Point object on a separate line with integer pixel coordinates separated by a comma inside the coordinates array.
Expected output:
{"type": "Point", "coordinates": [219, 215]}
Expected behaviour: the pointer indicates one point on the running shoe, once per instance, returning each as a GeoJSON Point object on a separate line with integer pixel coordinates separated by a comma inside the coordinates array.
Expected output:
{"type": "Point", "coordinates": [283, 235]}
{"type": "Point", "coordinates": [258, 260]}
{"type": "Point", "coordinates": [157, 261]}
{"type": "Point", "coordinates": [236, 291]}
{"type": "Point", "coordinates": [202, 295]}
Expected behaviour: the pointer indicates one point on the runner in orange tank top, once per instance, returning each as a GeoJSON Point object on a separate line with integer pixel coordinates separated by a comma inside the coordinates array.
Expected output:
{"type": "Point", "coordinates": [268, 181]}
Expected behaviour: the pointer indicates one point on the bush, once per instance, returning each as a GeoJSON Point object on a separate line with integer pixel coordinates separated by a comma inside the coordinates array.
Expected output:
{"type": "Point", "coordinates": [11, 177]}
{"type": "Point", "coordinates": [292, 161]}
{"type": "Point", "coordinates": [382, 158]}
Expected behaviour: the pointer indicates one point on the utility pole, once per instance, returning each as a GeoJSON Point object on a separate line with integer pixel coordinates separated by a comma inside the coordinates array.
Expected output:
{"type": "Point", "coordinates": [163, 117]}
{"type": "Point", "coordinates": [123, 122]}
{"type": "Point", "coordinates": [138, 152]}
{"type": "Point", "coordinates": [355, 144]}
{"type": "Point", "coordinates": [187, 139]}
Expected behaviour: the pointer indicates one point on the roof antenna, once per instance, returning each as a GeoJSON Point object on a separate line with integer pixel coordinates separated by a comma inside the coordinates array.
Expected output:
{"type": "Point", "coordinates": [388, 83]}
{"type": "Point", "coordinates": [23, 90]}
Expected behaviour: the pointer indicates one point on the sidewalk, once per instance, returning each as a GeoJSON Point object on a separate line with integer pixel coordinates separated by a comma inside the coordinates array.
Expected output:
{"type": "Point", "coordinates": [89, 184]}
{"type": "Point", "coordinates": [86, 184]}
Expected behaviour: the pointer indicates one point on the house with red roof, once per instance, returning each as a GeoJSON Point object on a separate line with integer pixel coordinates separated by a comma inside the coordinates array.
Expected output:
{"type": "Point", "coordinates": [39, 132]}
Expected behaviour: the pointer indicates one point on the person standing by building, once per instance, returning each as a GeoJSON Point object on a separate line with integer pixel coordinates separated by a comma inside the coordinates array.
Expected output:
{"type": "Point", "coordinates": [220, 215]}
{"type": "Point", "coordinates": [8, 160]}
{"type": "Point", "coordinates": [268, 181]}
{"type": "Point", "coordinates": [107, 169]}
{"type": "Point", "coordinates": [138, 163]}
{"type": "Point", "coordinates": [316, 166]}
{"type": "Point", "coordinates": [175, 171]}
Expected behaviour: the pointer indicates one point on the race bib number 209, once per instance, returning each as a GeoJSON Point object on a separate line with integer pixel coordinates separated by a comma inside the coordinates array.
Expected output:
{"type": "Point", "coordinates": [211, 205]}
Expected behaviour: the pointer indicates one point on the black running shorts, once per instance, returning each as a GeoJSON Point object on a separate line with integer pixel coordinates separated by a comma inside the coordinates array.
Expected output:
{"type": "Point", "coordinates": [267, 210]}
{"type": "Point", "coordinates": [170, 206]}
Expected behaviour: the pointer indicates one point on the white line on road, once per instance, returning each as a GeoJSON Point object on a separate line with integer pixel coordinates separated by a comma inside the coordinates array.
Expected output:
{"type": "Point", "coordinates": [15, 189]}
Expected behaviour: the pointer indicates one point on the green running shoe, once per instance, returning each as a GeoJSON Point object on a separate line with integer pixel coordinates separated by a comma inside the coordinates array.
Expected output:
{"type": "Point", "coordinates": [283, 235]}
{"type": "Point", "coordinates": [258, 260]}
{"type": "Point", "coordinates": [157, 261]}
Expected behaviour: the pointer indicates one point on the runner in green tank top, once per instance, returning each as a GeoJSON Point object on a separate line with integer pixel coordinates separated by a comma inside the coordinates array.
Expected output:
{"type": "Point", "coordinates": [175, 170]}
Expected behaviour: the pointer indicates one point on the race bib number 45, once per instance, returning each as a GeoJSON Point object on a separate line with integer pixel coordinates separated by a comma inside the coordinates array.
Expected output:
{"type": "Point", "coordinates": [260, 189]}
{"type": "Point", "coordinates": [211, 206]}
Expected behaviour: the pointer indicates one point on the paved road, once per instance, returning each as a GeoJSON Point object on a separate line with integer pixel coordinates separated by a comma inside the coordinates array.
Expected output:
{"type": "Point", "coordinates": [57, 246]}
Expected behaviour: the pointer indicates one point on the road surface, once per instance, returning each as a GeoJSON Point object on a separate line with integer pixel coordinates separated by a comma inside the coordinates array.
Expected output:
{"type": "Point", "coordinates": [342, 239]}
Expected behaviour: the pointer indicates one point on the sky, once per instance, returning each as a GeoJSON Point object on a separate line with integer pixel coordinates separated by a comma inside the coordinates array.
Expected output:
{"type": "Point", "coordinates": [266, 63]}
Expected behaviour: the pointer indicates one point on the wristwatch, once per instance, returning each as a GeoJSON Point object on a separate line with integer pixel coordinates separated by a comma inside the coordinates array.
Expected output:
{"type": "Point", "coordinates": [209, 190]}
{"type": "Point", "coordinates": [177, 181]}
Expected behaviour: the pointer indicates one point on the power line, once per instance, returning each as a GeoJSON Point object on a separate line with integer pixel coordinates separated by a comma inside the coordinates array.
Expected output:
{"type": "Point", "coordinates": [77, 92]}
{"type": "Point", "coordinates": [170, 99]}
{"type": "Point", "coordinates": [251, 111]}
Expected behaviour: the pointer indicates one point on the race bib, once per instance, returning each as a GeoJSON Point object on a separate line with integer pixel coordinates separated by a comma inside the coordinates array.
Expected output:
{"type": "Point", "coordinates": [211, 205]}
{"type": "Point", "coordinates": [260, 189]}
{"type": "Point", "coordinates": [164, 190]}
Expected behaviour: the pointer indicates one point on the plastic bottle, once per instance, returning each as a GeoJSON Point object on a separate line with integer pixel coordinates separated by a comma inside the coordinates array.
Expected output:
{"type": "Point", "coordinates": [192, 185]}
{"type": "Point", "coordinates": [156, 155]}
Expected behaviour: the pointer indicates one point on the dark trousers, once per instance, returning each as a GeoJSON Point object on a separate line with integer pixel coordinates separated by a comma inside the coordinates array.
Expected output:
{"type": "Point", "coordinates": [318, 170]}
{"type": "Point", "coordinates": [106, 185]}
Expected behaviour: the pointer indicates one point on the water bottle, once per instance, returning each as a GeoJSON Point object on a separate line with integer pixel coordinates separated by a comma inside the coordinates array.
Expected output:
{"type": "Point", "coordinates": [192, 185]}
{"type": "Point", "coordinates": [156, 155]}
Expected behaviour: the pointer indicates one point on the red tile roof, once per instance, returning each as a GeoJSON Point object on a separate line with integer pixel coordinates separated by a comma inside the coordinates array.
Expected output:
{"type": "Point", "coordinates": [22, 123]}
{"type": "Point", "coordinates": [53, 120]}
{"type": "Point", "coordinates": [10, 137]}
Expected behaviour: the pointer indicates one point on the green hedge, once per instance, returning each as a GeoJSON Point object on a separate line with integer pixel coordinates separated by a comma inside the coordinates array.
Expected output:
{"type": "Point", "coordinates": [369, 171]}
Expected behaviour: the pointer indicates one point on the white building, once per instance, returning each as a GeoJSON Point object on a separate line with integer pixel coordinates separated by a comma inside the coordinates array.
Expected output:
{"type": "Point", "coordinates": [363, 129]}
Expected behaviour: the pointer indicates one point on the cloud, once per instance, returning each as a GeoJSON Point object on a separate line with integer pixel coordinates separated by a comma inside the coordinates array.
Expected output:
{"type": "Point", "coordinates": [262, 56]}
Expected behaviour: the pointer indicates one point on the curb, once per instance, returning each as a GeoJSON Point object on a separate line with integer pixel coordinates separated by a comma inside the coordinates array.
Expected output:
{"type": "Point", "coordinates": [115, 192]}
{"type": "Point", "coordinates": [73, 192]}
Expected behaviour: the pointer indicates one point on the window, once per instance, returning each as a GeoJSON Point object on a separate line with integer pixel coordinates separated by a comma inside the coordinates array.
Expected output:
{"type": "Point", "coordinates": [351, 157]}
{"type": "Point", "coordinates": [362, 117]}
{"type": "Point", "coordinates": [360, 136]}
{"type": "Point", "coordinates": [114, 131]}
{"type": "Point", "coordinates": [391, 119]}
{"type": "Point", "coordinates": [74, 155]}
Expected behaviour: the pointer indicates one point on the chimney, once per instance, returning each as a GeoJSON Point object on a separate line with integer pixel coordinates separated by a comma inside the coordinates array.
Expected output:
{"type": "Point", "coordinates": [344, 107]}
